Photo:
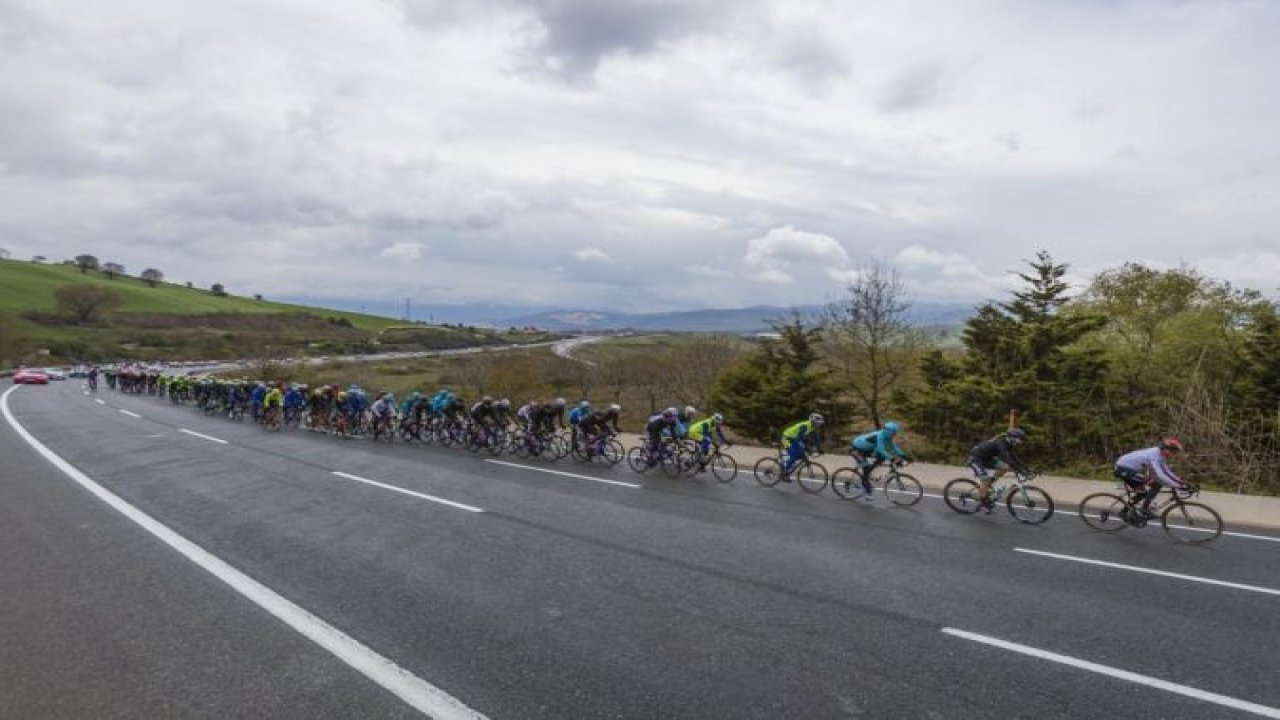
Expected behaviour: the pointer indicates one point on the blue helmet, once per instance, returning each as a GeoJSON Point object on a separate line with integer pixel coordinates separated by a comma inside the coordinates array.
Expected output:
{"type": "Point", "coordinates": [892, 427]}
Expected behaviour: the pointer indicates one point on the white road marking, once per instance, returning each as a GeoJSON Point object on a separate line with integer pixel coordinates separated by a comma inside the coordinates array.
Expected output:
{"type": "Point", "coordinates": [100, 401]}
{"type": "Point", "coordinates": [423, 496]}
{"type": "Point", "coordinates": [418, 693]}
{"type": "Point", "coordinates": [561, 472]}
{"type": "Point", "coordinates": [130, 414]}
{"type": "Point", "coordinates": [202, 435]}
{"type": "Point", "coordinates": [1119, 674]}
{"type": "Point", "coordinates": [1149, 571]}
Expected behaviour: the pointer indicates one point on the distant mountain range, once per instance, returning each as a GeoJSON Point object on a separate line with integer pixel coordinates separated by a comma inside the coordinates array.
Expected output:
{"type": "Point", "coordinates": [738, 320]}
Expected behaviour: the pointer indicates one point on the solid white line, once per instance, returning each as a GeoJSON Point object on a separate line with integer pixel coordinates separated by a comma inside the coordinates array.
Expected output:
{"type": "Point", "coordinates": [202, 435]}
{"type": "Point", "coordinates": [130, 414]}
{"type": "Point", "coordinates": [1118, 674]}
{"type": "Point", "coordinates": [100, 401]}
{"type": "Point", "coordinates": [1148, 571]}
{"type": "Point", "coordinates": [421, 695]}
{"type": "Point", "coordinates": [424, 496]}
{"type": "Point", "coordinates": [561, 472]}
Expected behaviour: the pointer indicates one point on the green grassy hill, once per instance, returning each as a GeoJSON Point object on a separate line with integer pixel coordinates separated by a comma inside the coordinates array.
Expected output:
{"type": "Point", "coordinates": [172, 321]}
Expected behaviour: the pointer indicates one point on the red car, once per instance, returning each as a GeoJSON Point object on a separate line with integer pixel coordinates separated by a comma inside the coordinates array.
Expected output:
{"type": "Point", "coordinates": [30, 377]}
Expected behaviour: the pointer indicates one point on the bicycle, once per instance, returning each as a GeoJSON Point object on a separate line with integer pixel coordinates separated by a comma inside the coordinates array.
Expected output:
{"type": "Point", "coordinates": [1026, 503]}
{"type": "Point", "coordinates": [641, 459]}
{"type": "Point", "coordinates": [811, 476]}
{"type": "Point", "coordinates": [383, 428]}
{"type": "Point", "coordinates": [899, 487]}
{"type": "Point", "coordinates": [271, 418]}
{"type": "Point", "coordinates": [722, 466]}
{"type": "Point", "coordinates": [1192, 523]}
{"type": "Point", "coordinates": [601, 447]}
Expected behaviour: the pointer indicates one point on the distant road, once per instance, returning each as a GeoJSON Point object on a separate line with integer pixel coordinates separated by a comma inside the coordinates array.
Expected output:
{"type": "Point", "coordinates": [499, 588]}
{"type": "Point", "coordinates": [564, 348]}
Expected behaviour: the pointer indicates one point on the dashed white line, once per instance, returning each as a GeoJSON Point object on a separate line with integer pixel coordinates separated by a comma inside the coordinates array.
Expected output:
{"type": "Point", "coordinates": [424, 496]}
{"type": "Point", "coordinates": [561, 472]}
{"type": "Point", "coordinates": [130, 414]}
{"type": "Point", "coordinates": [418, 693]}
{"type": "Point", "coordinates": [210, 438]}
{"type": "Point", "coordinates": [1149, 571]}
{"type": "Point", "coordinates": [100, 401]}
{"type": "Point", "coordinates": [1119, 674]}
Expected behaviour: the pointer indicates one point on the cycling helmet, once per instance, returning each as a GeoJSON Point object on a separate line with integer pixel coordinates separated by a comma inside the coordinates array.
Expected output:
{"type": "Point", "coordinates": [559, 402]}
{"type": "Point", "coordinates": [669, 413]}
{"type": "Point", "coordinates": [892, 427]}
{"type": "Point", "coordinates": [1016, 434]}
{"type": "Point", "coordinates": [486, 400]}
{"type": "Point", "coordinates": [615, 407]}
{"type": "Point", "coordinates": [1171, 444]}
{"type": "Point", "coordinates": [504, 403]}
{"type": "Point", "coordinates": [717, 418]}
{"type": "Point", "coordinates": [584, 404]}
{"type": "Point", "coordinates": [816, 419]}
{"type": "Point", "coordinates": [690, 410]}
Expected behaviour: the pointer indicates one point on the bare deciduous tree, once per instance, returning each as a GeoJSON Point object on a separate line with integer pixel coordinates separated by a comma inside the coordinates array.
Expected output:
{"type": "Point", "coordinates": [152, 276]}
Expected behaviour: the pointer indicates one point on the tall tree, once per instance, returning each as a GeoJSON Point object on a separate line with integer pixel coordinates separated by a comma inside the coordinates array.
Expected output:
{"type": "Point", "coordinates": [86, 263]}
{"type": "Point", "coordinates": [778, 383]}
{"type": "Point", "coordinates": [84, 304]}
{"type": "Point", "coordinates": [4, 253]}
{"type": "Point", "coordinates": [870, 340]}
{"type": "Point", "coordinates": [112, 269]}
{"type": "Point", "coordinates": [152, 276]}
{"type": "Point", "coordinates": [217, 289]}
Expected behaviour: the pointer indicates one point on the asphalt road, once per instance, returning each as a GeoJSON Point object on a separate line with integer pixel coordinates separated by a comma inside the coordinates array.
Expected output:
{"type": "Point", "coordinates": [596, 593]}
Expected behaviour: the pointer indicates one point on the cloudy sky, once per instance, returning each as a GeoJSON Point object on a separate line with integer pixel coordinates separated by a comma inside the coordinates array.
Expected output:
{"type": "Point", "coordinates": [639, 154]}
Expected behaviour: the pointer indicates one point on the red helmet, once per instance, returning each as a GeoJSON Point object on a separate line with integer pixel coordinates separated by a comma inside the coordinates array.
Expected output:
{"type": "Point", "coordinates": [1171, 444]}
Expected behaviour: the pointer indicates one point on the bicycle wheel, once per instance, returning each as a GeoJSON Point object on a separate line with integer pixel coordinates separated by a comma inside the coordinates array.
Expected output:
{"type": "Point", "coordinates": [812, 477]}
{"type": "Point", "coordinates": [847, 483]}
{"type": "Point", "coordinates": [768, 471]}
{"type": "Point", "coordinates": [673, 461]}
{"type": "Point", "coordinates": [1104, 512]}
{"type": "Point", "coordinates": [902, 490]}
{"type": "Point", "coordinates": [1029, 504]}
{"type": "Point", "coordinates": [1191, 522]}
{"type": "Point", "coordinates": [613, 453]}
{"type": "Point", "coordinates": [723, 467]}
{"type": "Point", "coordinates": [638, 459]}
{"type": "Point", "coordinates": [961, 495]}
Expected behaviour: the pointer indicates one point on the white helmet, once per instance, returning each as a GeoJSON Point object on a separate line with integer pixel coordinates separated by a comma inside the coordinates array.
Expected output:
{"type": "Point", "coordinates": [690, 410]}
{"type": "Point", "coordinates": [717, 418]}
{"type": "Point", "coordinates": [816, 419]}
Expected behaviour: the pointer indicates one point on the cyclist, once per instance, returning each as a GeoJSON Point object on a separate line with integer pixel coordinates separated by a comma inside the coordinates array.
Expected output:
{"type": "Point", "coordinates": [871, 449]}
{"type": "Point", "coordinates": [1137, 468]}
{"type": "Point", "coordinates": [993, 458]}
{"type": "Point", "coordinates": [798, 438]}
{"type": "Point", "coordinates": [553, 415]}
{"type": "Point", "coordinates": [683, 419]}
{"type": "Point", "coordinates": [611, 417]}
{"type": "Point", "coordinates": [502, 413]}
{"type": "Point", "coordinates": [576, 416]}
{"type": "Point", "coordinates": [659, 423]}
{"type": "Point", "coordinates": [702, 430]}
{"type": "Point", "coordinates": [272, 401]}
{"type": "Point", "coordinates": [255, 399]}
{"type": "Point", "coordinates": [482, 418]}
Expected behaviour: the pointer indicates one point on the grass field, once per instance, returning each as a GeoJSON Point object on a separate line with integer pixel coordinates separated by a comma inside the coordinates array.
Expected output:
{"type": "Point", "coordinates": [26, 286]}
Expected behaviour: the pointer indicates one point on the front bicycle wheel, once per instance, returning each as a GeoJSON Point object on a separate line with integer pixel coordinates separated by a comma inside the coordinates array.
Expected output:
{"type": "Point", "coordinates": [768, 471]}
{"type": "Point", "coordinates": [902, 490]}
{"type": "Point", "coordinates": [1191, 523]}
{"type": "Point", "coordinates": [723, 467]}
{"type": "Point", "coordinates": [847, 483]}
{"type": "Point", "coordinates": [638, 459]}
{"type": "Point", "coordinates": [1104, 512]}
{"type": "Point", "coordinates": [1029, 504]}
{"type": "Point", "coordinates": [812, 477]}
{"type": "Point", "coordinates": [962, 496]}
{"type": "Point", "coordinates": [613, 453]}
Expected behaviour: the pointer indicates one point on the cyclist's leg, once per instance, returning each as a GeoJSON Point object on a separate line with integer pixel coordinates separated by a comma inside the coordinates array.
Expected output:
{"type": "Point", "coordinates": [795, 453]}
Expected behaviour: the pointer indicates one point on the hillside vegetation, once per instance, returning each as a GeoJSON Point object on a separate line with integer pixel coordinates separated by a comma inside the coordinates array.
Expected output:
{"type": "Point", "coordinates": [143, 320]}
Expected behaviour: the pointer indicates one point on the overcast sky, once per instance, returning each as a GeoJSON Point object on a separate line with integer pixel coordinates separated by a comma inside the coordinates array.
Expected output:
{"type": "Point", "coordinates": [639, 154]}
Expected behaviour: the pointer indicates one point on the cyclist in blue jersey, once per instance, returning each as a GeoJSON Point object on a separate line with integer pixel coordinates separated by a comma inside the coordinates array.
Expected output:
{"type": "Point", "coordinates": [874, 448]}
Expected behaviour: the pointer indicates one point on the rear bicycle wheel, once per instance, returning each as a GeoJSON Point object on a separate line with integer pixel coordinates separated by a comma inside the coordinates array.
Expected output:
{"type": "Point", "coordinates": [812, 477]}
{"type": "Point", "coordinates": [847, 483]}
{"type": "Point", "coordinates": [723, 467]}
{"type": "Point", "coordinates": [1029, 504]}
{"type": "Point", "coordinates": [768, 471]}
{"type": "Point", "coordinates": [638, 459]}
{"type": "Point", "coordinates": [1192, 523]}
{"type": "Point", "coordinates": [613, 453]}
{"type": "Point", "coordinates": [1104, 512]}
{"type": "Point", "coordinates": [962, 496]}
{"type": "Point", "coordinates": [902, 490]}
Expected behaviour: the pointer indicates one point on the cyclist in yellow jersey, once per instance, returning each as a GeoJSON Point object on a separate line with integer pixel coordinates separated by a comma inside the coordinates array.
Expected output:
{"type": "Point", "coordinates": [798, 438]}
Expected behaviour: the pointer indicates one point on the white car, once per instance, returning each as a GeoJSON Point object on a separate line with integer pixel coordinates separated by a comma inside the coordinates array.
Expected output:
{"type": "Point", "coordinates": [54, 374]}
